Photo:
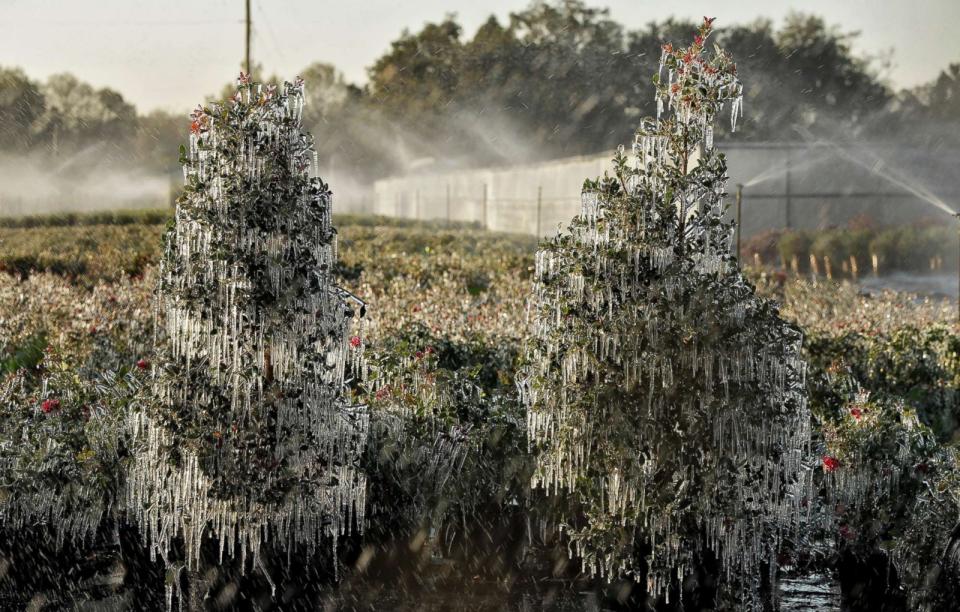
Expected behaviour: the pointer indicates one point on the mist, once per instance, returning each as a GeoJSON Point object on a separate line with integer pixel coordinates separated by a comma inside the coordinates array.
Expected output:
{"type": "Point", "coordinates": [34, 185]}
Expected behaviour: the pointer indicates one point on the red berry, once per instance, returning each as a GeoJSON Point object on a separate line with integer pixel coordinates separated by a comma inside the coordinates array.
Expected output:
{"type": "Point", "coordinates": [49, 405]}
{"type": "Point", "coordinates": [846, 533]}
{"type": "Point", "coordinates": [143, 364]}
{"type": "Point", "coordinates": [355, 342]}
{"type": "Point", "coordinates": [830, 463]}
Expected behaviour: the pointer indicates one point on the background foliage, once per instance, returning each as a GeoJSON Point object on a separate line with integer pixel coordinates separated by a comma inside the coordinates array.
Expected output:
{"type": "Point", "coordinates": [556, 78]}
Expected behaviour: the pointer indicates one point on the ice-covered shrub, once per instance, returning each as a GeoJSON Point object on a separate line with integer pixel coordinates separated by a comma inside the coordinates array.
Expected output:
{"type": "Point", "coordinates": [64, 446]}
{"type": "Point", "coordinates": [665, 399]}
{"type": "Point", "coordinates": [920, 366]}
{"type": "Point", "coordinates": [251, 435]}
{"type": "Point", "coordinates": [893, 489]}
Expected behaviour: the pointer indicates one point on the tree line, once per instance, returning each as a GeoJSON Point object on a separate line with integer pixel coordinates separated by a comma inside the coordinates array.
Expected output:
{"type": "Point", "coordinates": [555, 79]}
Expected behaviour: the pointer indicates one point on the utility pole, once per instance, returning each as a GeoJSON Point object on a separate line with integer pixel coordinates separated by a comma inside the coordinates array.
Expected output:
{"type": "Point", "coordinates": [539, 206]}
{"type": "Point", "coordinates": [485, 206]}
{"type": "Point", "coordinates": [787, 212]}
{"type": "Point", "coordinates": [247, 46]}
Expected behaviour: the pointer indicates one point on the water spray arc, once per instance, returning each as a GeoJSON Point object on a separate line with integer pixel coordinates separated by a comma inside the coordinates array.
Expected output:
{"type": "Point", "coordinates": [739, 220]}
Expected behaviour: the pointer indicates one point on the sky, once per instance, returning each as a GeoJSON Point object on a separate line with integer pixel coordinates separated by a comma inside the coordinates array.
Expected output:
{"type": "Point", "coordinates": [169, 54]}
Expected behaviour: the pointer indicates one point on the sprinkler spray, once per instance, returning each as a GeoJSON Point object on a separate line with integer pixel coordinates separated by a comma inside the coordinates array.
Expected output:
{"type": "Point", "coordinates": [739, 206]}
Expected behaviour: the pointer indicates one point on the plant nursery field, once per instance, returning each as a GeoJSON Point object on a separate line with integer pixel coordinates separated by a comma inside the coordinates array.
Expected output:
{"type": "Point", "coordinates": [446, 315]}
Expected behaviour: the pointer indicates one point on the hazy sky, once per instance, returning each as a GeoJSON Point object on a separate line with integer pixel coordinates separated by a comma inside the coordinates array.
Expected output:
{"type": "Point", "coordinates": [170, 53]}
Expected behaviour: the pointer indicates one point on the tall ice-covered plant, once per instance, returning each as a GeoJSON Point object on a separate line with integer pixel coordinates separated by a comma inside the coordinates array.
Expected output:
{"type": "Point", "coordinates": [251, 435]}
{"type": "Point", "coordinates": [665, 398]}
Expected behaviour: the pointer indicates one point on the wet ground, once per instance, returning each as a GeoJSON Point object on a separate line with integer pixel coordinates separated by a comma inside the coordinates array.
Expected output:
{"type": "Point", "coordinates": [815, 592]}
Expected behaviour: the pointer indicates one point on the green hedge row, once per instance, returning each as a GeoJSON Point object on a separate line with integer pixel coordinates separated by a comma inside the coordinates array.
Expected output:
{"type": "Point", "coordinates": [150, 216]}
{"type": "Point", "coordinates": [159, 216]}
{"type": "Point", "coordinates": [908, 248]}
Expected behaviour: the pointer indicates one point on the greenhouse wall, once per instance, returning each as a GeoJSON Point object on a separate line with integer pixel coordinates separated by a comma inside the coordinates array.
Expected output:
{"type": "Point", "coordinates": [803, 186]}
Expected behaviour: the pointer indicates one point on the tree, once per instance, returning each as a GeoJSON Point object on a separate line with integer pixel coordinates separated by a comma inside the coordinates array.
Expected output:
{"type": "Point", "coordinates": [831, 79]}
{"type": "Point", "coordinates": [575, 75]}
{"type": "Point", "coordinates": [328, 92]}
{"type": "Point", "coordinates": [250, 435]}
{"type": "Point", "coordinates": [944, 94]}
{"type": "Point", "coordinates": [665, 399]}
{"type": "Point", "coordinates": [21, 104]}
{"type": "Point", "coordinates": [938, 100]}
{"type": "Point", "coordinates": [419, 75]}
{"type": "Point", "coordinates": [78, 115]}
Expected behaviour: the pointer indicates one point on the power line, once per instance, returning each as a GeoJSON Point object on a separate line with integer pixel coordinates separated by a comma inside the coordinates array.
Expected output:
{"type": "Point", "coordinates": [87, 24]}
{"type": "Point", "coordinates": [274, 40]}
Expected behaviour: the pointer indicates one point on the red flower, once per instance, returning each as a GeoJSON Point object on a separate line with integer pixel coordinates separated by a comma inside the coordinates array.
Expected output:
{"type": "Point", "coordinates": [383, 393]}
{"type": "Point", "coordinates": [243, 79]}
{"type": "Point", "coordinates": [675, 88]}
{"type": "Point", "coordinates": [668, 48]}
{"type": "Point", "coordinates": [49, 405]}
{"type": "Point", "coordinates": [708, 21]}
{"type": "Point", "coordinates": [143, 364]}
{"type": "Point", "coordinates": [419, 354]}
{"type": "Point", "coordinates": [687, 57]}
{"type": "Point", "coordinates": [698, 40]}
{"type": "Point", "coordinates": [830, 463]}
{"type": "Point", "coordinates": [195, 127]}
{"type": "Point", "coordinates": [856, 412]}
{"type": "Point", "coordinates": [355, 342]}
